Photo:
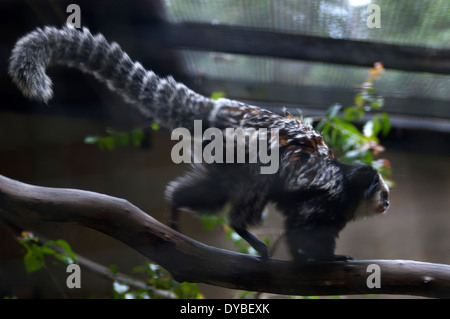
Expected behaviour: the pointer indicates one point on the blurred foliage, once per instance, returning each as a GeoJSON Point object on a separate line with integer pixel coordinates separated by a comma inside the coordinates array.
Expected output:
{"type": "Point", "coordinates": [160, 284]}
{"type": "Point", "coordinates": [115, 139]}
{"type": "Point", "coordinates": [352, 145]}
{"type": "Point", "coordinates": [35, 252]}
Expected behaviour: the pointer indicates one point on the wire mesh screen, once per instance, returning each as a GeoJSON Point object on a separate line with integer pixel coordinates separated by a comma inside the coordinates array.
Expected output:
{"type": "Point", "coordinates": [414, 22]}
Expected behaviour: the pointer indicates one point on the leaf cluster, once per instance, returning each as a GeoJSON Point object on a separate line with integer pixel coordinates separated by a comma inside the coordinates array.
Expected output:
{"type": "Point", "coordinates": [158, 280]}
{"type": "Point", "coordinates": [116, 139]}
{"type": "Point", "coordinates": [340, 127]}
{"type": "Point", "coordinates": [34, 257]}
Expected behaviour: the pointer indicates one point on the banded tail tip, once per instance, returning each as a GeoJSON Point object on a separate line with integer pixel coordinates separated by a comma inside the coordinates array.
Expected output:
{"type": "Point", "coordinates": [27, 69]}
{"type": "Point", "coordinates": [33, 86]}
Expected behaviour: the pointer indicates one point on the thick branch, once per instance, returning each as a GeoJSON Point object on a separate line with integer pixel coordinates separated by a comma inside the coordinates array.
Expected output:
{"type": "Point", "coordinates": [189, 260]}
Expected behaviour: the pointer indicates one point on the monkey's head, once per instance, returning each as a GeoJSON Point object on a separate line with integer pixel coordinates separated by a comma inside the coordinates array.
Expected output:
{"type": "Point", "coordinates": [370, 189]}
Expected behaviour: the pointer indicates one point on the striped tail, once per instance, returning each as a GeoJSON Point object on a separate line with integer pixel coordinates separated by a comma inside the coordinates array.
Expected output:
{"type": "Point", "coordinates": [169, 103]}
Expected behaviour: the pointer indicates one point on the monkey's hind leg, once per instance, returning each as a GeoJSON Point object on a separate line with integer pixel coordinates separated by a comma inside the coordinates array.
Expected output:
{"type": "Point", "coordinates": [316, 244]}
{"type": "Point", "coordinates": [194, 191]}
{"type": "Point", "coordinates": [247, 211]}
{"type": "Point", "coordinates": [257, 244]}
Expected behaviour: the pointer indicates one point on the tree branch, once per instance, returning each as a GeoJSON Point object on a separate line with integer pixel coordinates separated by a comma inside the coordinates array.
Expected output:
{"type": "Point", "coordinates": [189, 260]}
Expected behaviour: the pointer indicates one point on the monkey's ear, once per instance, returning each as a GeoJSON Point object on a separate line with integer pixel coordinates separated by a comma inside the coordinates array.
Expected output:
{"type": "Point", "coordinates": [364, 179]}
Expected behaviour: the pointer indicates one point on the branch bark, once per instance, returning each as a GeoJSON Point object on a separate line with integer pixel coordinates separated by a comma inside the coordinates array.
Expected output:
{"type": "Point", "coordinates": [189, 260]}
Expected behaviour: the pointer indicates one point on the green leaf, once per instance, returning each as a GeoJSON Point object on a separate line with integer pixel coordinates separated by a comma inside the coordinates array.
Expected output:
{"type": "Point", "coordinates": [333, 111]}
{"type": "Point", "coordinates": [326, 130]}
{"type": "Point", "coordinates": [346, 127]}
{"type": "Point", "coordinates": [377, 126]}
{"type": "Point", "coordinates": [187, 290]}
{"type": "Point", "coordinates": [320, 126]}
{"type": "Point", "coordinates": [136, 137]}
{"type": "Point", "coordinates": [357, 156]}
{"type": "Point", "coordinates": [67, 257]}
{"type": "Point", "coordinates": [350, 142]}
{"type": "Point", "coordinates": [359, 99]}
{"type": "Point", "coordinates": [65, 245]}
{"type": "Point", "coordinates": [122, 139]}
{"type": "Point", "coordinates": [34, 258]}
{"type": "Point", "coordinates": [116, 138]}
{"type": "Point", "coordinates": [113, 269]}
{"type": "Point", "coordinates": [209, 222]}
{"type": "Point", "coordinates": [218, 95]}
{"type": "Point", "coordinates": [334, 137]}
{"type": "Point", "coordinates": [349, 114]}
{"type": "Point", "coordinates": [385, 124]}
{"type": "Point", "coordinates": [155, 126]}
{"type": "Point", "coordinates": [367, 157]}
{"type": "Point", "coordinates": [106, 143]}
{"type": "Point", "coordinates": [353, 113]}
{"type": "Point", "coordinates": [139, 269]}
{"type": "Point", "coordinates": [377, 103]}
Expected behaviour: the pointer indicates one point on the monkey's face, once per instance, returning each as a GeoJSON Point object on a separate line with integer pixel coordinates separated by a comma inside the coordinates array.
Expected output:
{"type": "Point", "coordinates": [375, 199]}
{"type": "Point", "coordinates": [382, 198]}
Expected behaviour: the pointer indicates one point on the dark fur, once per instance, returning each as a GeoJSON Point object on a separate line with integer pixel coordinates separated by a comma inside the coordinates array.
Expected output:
{"type": "Point", "coordinates": [316, 193]}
